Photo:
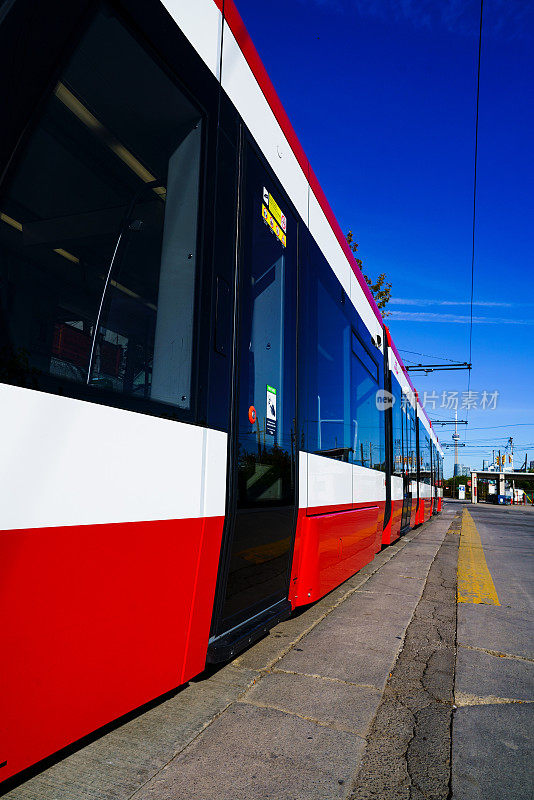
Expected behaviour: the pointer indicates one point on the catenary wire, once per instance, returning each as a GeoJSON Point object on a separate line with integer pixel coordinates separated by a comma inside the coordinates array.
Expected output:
{"type": "Point", "coordinates": [474, 210]}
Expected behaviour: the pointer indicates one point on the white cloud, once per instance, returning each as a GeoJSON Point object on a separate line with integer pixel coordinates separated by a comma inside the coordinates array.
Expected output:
{"type": "Point", "coordinates": [458, 319]}
{"type": "Point", "coordinates": [408, 301]}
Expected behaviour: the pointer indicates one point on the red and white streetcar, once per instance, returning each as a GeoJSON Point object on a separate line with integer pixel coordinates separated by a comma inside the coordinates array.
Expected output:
{"type": "Point", "coordinates": [193, 442]}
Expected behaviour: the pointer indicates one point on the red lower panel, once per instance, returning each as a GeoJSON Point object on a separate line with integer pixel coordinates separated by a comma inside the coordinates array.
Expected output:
{"type": "Point", "coordinates": [95, 621]}
{"type": "Point", "coordinates": [392, 532]}
{"type": "Point", "coordinates": [439, 504]}
{"type": "Point", "coordinates": [413, 513]}
{"type": "Point", "coordinates": [420, 513]}
{"type": "Point", "coordinates": [330, 548]}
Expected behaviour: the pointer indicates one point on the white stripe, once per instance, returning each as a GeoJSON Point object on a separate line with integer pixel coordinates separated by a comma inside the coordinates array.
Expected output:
{"type": "Point", "coordinates": [332, 482]}
{"type": "Point", "coordinates": [329, 481]}
{"type": "Point", "coordinates": [243, 90]}
{"type": "Point", "coordinates": [69, 462]}
{"type": "Point", "coordinates": [396, 488]}
{"type": "Point", "coordinates": [201, 22]}
{"type": "Point", "coordinates": [397, 370]}
{"type": "Point", "coordinates": [303, 479]}
{"type": "Point", "coordinates": [361, 304]}
{"type": "Point", "coordinates": [367, 484]}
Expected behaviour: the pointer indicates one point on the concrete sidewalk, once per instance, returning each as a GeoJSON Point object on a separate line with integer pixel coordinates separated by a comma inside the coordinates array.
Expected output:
{"type": "Point", "coordinates": [287, 720]}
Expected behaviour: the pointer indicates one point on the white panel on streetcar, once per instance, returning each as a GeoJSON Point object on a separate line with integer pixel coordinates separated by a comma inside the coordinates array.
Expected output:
{"type": "Point", "coordinates": [243, 90]}
{"type": "Point", "coordinates": [325, 237]}
{"type": "Point", "coordinates": [70, 462]}
{"type": "Point", "coordinates": [361, 304]}
{"type": "Point", "coordinates": [368, 485]}
{"type": "Point", "coordinates": [396, 488]}
{"type": "Point", "coordinates": [303, 479]}
{"type": "Point", "coordinates": [201, 23]}
{"type": "Point", "coordinates": [329, 481]}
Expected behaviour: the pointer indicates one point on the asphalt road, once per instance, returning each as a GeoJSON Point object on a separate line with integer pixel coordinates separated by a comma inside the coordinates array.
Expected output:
{"type": "Point", "coordinates": [493, 727]}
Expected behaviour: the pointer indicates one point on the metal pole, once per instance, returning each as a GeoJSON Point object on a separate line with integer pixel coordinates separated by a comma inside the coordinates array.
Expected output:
{"type": "Point", "coordinates": [456, 442]}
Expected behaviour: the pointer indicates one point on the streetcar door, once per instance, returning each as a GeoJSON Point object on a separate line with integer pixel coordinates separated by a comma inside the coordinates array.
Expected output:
{"type": "Point", "coordinates": [253, 579]}
{"type": "Point", "coordinates": [406, 454]}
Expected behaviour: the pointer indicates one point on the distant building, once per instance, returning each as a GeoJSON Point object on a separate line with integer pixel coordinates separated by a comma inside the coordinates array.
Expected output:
{"type": "Point", "coordinates": [462, 470]}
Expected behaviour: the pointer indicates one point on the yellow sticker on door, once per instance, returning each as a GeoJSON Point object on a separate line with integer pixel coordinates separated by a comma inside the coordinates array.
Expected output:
{"type": "Point", "coordinates": [273, 224]}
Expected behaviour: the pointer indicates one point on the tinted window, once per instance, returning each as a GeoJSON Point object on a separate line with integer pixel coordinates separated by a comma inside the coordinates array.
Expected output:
{"type": "Point", "coordinates": [339, 372]}
{"type": "Point", "coordinates": [397, 427]}
{"type": "Point", "coordinates": [361, 352]}
{"type": "Point", "coordinates": [333, 375]}
{"type": "Point", "coordinates": [98, 230]}
{"type": "Point", "coordinates": [265, 428]}
{"type": "Point", "coordinates": [412, 451]}
{"type": "Point", "coordinates": [325, 360]}
{"type": "Point", "coordinates": [424, 455]}
{"type": "Point", "coordinates": [367, 419]}
{"type": "Point", "coordinates": [267, 349]}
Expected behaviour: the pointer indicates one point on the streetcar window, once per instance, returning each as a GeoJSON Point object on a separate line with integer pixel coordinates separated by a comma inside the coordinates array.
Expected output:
{"type": "Point", "coordinates": [424, 455]}
{"type": "Point", "coordinates": [333, 376]}
{"type": "Point", "coordinates": [367, 420]}
{"type": "Point", "coordinates": [397, 430]}
{"type": "Point", "coordinates": [98, 230]}
{"type": "Point", "coordinates": [359, 350]}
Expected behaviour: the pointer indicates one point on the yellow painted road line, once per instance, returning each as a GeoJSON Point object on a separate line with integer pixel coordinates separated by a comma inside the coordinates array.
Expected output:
{"type": "Point", "coordinates": [475, 584]}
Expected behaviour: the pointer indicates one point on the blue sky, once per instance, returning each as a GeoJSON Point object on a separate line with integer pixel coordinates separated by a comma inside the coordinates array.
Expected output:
{"type": "Point", "coordinates": [382, 96]}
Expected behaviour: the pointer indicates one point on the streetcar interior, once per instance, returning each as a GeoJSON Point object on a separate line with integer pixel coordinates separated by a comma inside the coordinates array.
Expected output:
{"type": "Point", "coordinates": [99, 233]}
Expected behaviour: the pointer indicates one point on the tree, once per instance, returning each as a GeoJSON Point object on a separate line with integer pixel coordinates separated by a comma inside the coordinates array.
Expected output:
{"type": "Point", "coordinates": [381, 289]}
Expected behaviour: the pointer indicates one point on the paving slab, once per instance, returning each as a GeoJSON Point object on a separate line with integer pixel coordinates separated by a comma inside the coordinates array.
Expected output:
{"type": "Point", "coordinates": [340, 705]}
{"type": "Point", "coordinates": [252, 753]}
{"type": "Point", "coordinates": [481, 676]}
{"type": "Point", "coordinates": [366, 632]}
{"type": "Point", "coordinates": [492, 753]}
{"type": "Point", "coordinates": [495, 628]}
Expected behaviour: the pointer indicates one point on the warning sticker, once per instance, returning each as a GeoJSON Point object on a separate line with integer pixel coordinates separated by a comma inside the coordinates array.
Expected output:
{"type": "Point", "coordinates": [275, 209]}
{"type": "Point", "coordinates": [270, 418]}
{"type": "Point", "coordinates": [273, 225]}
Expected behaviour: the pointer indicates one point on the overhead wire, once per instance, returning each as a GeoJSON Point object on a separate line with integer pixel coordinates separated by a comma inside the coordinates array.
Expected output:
{"type": "Point", "coordinates": [474, 211]}
{"type": "Point", "coordinates": [427, 355]}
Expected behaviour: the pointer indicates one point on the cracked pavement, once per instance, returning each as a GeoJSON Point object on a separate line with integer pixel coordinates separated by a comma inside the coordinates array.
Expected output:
{"type": "Point", "coordinates": [409, 743]}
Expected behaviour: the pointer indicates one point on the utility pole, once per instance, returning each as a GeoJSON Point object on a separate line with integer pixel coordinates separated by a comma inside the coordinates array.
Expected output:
{"type": "Point", "coordinates": [511, 444]}
{"type": "Point", "coordinates": [455, 437]}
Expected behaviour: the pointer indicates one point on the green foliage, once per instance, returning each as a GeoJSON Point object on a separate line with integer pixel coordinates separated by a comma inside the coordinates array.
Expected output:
{"type": "Point", "coordinates": [380, 289]}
